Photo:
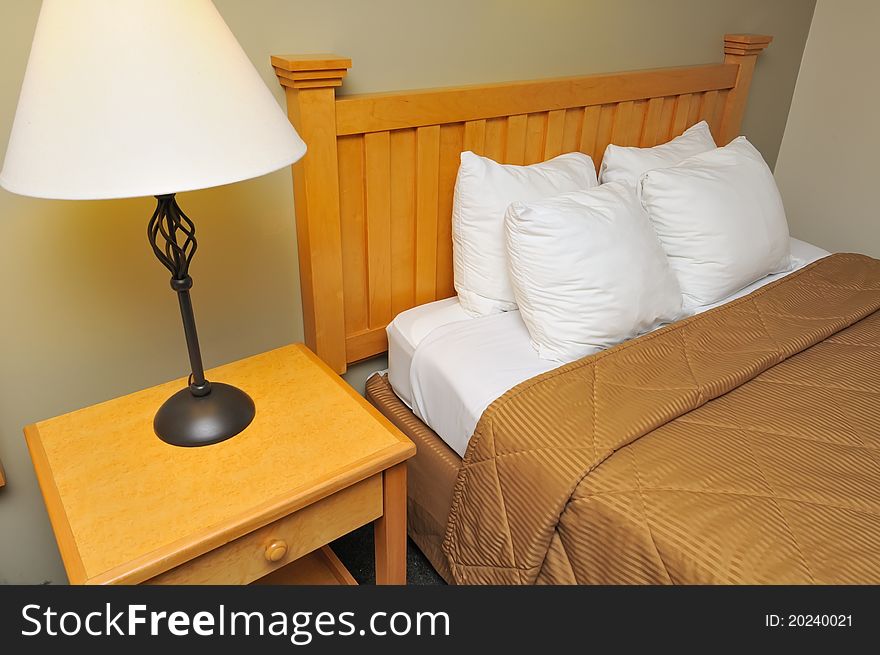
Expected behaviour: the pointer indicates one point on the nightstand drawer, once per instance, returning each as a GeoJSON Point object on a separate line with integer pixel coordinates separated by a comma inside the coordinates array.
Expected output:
{"type": "Point", "coordinates": [275, 545]}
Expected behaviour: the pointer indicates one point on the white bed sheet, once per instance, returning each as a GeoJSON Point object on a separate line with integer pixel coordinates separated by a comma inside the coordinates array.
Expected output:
{"type": "Point", "coordinates": [448, 367]}
{"type": "Point", "coordinates": [408, 330]}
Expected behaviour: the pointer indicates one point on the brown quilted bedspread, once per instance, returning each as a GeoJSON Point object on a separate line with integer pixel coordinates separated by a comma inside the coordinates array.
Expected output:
{"type": "Point", "coordinates": [738, 446]}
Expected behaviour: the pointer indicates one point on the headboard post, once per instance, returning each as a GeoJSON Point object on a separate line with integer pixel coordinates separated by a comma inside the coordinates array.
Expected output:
{"type": "Point", "coordinates": [743, 50]}
{"type": "Point", "coordinates": [310, 83]}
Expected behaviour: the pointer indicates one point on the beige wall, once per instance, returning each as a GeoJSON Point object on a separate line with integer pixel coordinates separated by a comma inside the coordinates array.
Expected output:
{"type": "Point", "coordinates": [86, 311]}
{"type": "Point", "coordinates": [827, 168]}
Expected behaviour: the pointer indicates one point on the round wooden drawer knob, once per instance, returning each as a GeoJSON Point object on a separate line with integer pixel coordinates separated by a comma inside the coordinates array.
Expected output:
{"type": "Point", "coordinates": [276, 550]}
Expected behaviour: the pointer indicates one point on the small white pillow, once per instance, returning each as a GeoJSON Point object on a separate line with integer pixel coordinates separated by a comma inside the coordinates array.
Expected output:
{"type": "Point", "coordinates": [626, 163]}
{"type": "Point", "coordinates": [720, 220]}
{"type": "Point", "coordinates": [588, 271]}
{"type": "Point", "coordinates": [483, 190]}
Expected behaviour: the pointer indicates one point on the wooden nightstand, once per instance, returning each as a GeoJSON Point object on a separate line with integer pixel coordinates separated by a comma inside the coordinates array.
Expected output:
{"type": "Point", "coordinates": [317, 462]}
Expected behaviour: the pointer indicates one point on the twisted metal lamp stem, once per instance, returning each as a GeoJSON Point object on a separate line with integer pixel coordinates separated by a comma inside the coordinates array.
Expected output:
{"type": "Point", "coordinates": [173, 238]}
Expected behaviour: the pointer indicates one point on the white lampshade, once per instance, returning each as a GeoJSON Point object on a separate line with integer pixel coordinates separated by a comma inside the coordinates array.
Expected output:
{"type": "Point", "coordinates": [126, 98]}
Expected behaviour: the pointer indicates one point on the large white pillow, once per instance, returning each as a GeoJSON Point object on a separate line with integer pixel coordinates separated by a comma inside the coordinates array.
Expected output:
{"type": "Point", "coordinates": [483, 190]}
{"type": "Point", "coordinates": [627, 163]}
{"type": "Point", "coordinates": [720, 220]}
{"type": "Point", "coordinates": [588, 271]}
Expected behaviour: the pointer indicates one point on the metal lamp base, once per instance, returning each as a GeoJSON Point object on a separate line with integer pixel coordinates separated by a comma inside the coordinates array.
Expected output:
{"type": "Point", "coordinates": [189, 420]}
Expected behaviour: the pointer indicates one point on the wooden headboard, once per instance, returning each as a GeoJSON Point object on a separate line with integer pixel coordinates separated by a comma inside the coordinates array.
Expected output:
{"type": "Point", "coordinates": [374, 192]}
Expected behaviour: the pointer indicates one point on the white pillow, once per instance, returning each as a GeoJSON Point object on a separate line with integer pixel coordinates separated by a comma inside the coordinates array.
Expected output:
{"type": "Point", "coordinates": [483, 190]}
{"type": "Point", "coordinates": [626, 164]}
{"type": "Point", "coordinates": [588, 271]}
{"type": "Point", "coordinates": [720, 220]}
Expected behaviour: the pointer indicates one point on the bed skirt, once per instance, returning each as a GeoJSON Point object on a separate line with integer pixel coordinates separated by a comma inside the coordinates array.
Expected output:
{"type": "Point", "coordinates": [431, 474]}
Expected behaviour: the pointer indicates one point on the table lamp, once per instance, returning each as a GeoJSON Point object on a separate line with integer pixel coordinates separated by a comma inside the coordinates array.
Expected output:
{"type": "Point", "coordinates": [125, 98]}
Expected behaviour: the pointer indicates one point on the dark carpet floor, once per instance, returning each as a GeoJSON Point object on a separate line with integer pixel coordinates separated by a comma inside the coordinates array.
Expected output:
{"type": "Point", "coordinates": [356, 552]}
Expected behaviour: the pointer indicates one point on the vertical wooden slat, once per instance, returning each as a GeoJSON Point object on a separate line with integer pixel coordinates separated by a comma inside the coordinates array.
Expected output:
{"type": "Point", "coordinates": [354, 232]}
{"type": "Point", "coordinates": [622, 122]}
{"type": "Point", "coordinates": [475, 136]}
{"type": "Point", "coordinates": [554, 136]}
{"type": "Point", "coordinates": [715, 121]}
{"type": "Point", "coordinates": [427, 164]}
{"type": "Point", "coordinates": [603, 133]}
{"type": "Point", "coordinates": [536, 133]}
{"type": "Point", "coordinates": [651, 133]}
{"type": "Point", "coordinates": [640, 109]}
{"type": "Point", "coordinates": [707, 107]}
{"type": "Point", "coordinates": [515, 148]}
{"type": "Point", "coordinates": [680, 116]}
{"type": "Point", "coordinates": [589, 130]}
{"type": "Point", "coordinates": [451, 140]}
{"type": "Point", "coordinates": [496, 138]}
{"type": "Point", "coordinates": [403, 214]}
{"type": "Point", "coordinates": [377, 164]}
{"type": "Point", "coordinates": [571, 133]}
{"type": "Point", "coordinates": [666, 119]}
{"type": "Point", "coordinates": [696, 108]}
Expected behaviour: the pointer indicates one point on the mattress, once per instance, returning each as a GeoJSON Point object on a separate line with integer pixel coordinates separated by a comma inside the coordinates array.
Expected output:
{"type": "Point", "coordinates": [448, 367]}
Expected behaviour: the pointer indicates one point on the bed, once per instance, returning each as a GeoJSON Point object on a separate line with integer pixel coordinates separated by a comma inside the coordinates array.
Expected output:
{"type": "Point", "coordinates": [634, 485]}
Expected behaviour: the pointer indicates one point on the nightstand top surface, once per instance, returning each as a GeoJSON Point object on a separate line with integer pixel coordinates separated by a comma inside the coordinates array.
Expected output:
{"type": "Point", "coordinates": [120, 499]}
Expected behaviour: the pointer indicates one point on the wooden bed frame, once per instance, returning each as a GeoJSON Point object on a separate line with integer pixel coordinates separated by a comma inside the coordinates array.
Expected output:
{"type": "Point", "coordinates": [374, 192]}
